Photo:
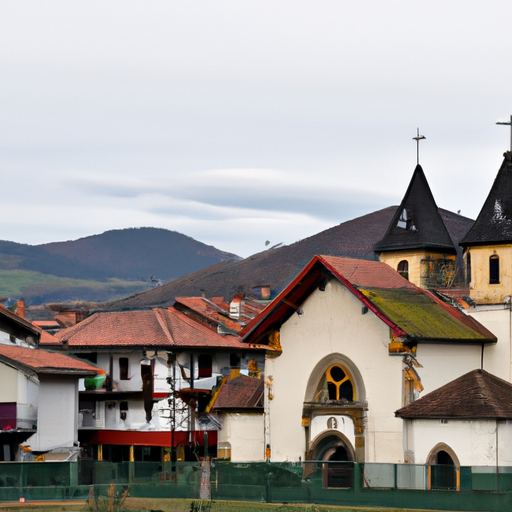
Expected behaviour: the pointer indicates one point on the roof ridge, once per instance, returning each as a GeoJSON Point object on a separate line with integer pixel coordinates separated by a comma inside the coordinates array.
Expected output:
{"type": "Point", "coordinates": [160, 316]}
{"type": "Point", "coordinates": [75, 329]}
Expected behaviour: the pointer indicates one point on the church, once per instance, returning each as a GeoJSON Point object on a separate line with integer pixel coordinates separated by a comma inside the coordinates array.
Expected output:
{"type": "Point", "coordinates": [403, 360]}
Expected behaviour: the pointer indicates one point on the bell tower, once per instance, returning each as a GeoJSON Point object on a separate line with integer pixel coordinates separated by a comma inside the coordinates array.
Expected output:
{"type": "Point", "coordinates": [488, 244]}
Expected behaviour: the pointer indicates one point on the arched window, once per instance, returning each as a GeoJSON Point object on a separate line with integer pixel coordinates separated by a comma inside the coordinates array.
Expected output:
{"type": "Point", "coordinates": [494, 269]}
{"type": "Point", "coordinates": [336, 384]}
{"type": "Point", "coordinates": [403, 269]}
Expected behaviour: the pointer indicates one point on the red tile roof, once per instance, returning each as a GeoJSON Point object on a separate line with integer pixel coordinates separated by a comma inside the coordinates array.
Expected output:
{"type": "Point", "coordinates": [217, 312]}
{"type": "Point", "coordinates": [409, 311]}
{"type": "Point", "coordinates": [13, 317]}
{"type": "Point", "coordinates": [366, 273]}
{"type": "Point", "coordinates": [476, 395]}
{"type": "Point", "coordinates": [146, 328]}
{"type": "Point", "coordinates": [240, 393]}
{"type": "Point", "coordinates": [41, 361]}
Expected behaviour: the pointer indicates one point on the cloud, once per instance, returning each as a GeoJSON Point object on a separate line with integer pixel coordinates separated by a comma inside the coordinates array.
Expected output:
{"type": "Point", "coordinates": [236, 122]}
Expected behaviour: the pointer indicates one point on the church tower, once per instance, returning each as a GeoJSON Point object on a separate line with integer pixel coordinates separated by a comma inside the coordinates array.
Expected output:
{"type": "Point", "coordinates": [488, 244]}
{"type": "Point", "coordinates": [417, 243]}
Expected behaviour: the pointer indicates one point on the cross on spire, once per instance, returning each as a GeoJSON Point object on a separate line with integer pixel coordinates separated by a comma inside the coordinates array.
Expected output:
{"type": "Point", "coordinates": [417, 139]}
{"type": "Point", "coordinates": [509, 123]}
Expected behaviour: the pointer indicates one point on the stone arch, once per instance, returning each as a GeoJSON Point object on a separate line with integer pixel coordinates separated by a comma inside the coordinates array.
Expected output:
{"type": "Point", "coordinates": [320, 369]}
{"type": "Point", "coordinates": [324, 446]}
{"type": "Point", "coordinates": [442, 447]}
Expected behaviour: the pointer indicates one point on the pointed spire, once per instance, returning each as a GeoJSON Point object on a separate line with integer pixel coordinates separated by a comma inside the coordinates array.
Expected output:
{"type": "Point", "coordinates": [417, 223]}
{"type": "Point", "coordinates": [494, 222]}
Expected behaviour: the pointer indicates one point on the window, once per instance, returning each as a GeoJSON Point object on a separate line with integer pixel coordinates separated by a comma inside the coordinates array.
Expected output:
{"type": "Point", "coordinates": [403, 269]}
{"type": "Point", "coordinates": [494, 269]}
{"type": "Point", "coordinates": [468, 268]}
{"type": "Point", "coordinates": [123, 368]}
{"type": "Point", "coordinates": [204, 363]}
{"type": "Point", "coordinates": [336, 384]}
{"type": "Point", "coordinates": [406, 220]}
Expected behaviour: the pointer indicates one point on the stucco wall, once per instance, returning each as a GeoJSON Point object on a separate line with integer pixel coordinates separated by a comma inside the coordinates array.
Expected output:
{"type": "Point", "coordinates": [497, 357]}
{"type": "Point", "coordinates": [57, 413]}
{"type": "Point", "coordinates": [414, 258]}
{"type": "Point", "coordinates": [443, 363]}
{"type": "Point", "coordinates": [8, 384]}
{"type": "Point", "coordinates": [244, 432]}
{"type": "Point", "coordinates": [474, 442]}
{"type": "Point", "coordinates": [332, 322]}
{"type": "Point", "coordinates": [480, 290]}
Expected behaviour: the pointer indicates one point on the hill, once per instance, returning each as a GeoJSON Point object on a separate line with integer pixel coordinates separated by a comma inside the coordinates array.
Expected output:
{"type": "Point", "coordinates": [277, 267]}
{"type": "Point", "coordinates": [127, 255]}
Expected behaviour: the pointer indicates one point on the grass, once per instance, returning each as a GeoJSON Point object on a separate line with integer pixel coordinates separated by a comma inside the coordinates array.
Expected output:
{"type": "Point", "coordinates": [36, 288]}
{"type": "Point", "coordinates": [174, 505]}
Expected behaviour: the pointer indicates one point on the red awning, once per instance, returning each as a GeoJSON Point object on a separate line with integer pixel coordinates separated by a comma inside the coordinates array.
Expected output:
{"type": "Point", "coordinates": [153, 438]}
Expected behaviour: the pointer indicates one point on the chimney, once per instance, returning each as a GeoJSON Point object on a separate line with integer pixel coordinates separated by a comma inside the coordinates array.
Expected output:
{"type": "Point", "coordinates": [236, 306]}
{"type": "Point", "coordinates": [20, 308]}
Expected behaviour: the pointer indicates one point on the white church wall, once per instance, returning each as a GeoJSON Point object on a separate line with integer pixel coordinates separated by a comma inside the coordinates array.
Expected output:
{"type": "Point", "coordinates": [443, 363]}
{"type": "Point", "coordinates": [340, 423]}
{"type": "Point", "coordinates": [333, 322]}
{"type": "Point", "coordinates": [497, 357]}
{"type": "Point", "coordinates": [473, 442]}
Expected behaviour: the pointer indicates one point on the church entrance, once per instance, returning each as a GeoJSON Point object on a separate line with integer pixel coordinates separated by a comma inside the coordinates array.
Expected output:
{"type": "Point", "coordinates": [337, 458]}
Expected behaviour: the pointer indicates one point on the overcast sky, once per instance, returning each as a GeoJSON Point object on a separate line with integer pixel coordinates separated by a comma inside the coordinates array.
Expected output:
{"type": "Point", "coordinates": [241, 122]}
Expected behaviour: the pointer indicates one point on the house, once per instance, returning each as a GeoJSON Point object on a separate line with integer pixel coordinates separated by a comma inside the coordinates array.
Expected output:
{"type": "Point", "coordinates": [38, 392]}
{"type": "Point", "coordinates": [353, 342]}
{"type": "Point", "coordinates": [162, 367]}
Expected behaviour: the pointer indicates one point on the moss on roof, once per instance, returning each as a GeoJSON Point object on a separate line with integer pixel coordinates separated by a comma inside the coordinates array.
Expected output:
{"type": "Point", "coordinates": [420, 316]}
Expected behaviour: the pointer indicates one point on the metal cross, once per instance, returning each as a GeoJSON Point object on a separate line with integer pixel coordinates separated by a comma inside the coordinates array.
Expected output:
{"type": "Point", "coordinates": [417, 139]}
{"type": "Point", "coordinates": [509, 123]}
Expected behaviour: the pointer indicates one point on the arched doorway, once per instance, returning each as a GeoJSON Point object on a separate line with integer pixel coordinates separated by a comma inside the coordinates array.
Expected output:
{"type": "Point", "coordinates": [335, 389]}
{"type": "Point", "coordinates": [337, 456]}
{"type": "Point", "coordinates": [444, 469]}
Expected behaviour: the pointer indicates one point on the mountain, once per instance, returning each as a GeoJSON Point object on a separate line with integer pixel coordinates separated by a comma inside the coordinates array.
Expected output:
{"type": "Point", "coordinates": [134, 254]}
{"type": "Point", "coordinates": [277, 267]}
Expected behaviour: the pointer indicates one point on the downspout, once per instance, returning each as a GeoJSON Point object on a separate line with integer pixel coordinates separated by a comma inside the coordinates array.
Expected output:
{"type": "Point", "coordinates": [510, 341]}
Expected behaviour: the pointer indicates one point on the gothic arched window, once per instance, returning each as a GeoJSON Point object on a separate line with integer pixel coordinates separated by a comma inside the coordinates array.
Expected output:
{"type": "Point", "coordinates": [336, 384]}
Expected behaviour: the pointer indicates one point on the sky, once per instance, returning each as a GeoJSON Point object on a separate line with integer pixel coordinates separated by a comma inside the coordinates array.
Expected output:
{"type": "Point", "coordinates": [244, 124]}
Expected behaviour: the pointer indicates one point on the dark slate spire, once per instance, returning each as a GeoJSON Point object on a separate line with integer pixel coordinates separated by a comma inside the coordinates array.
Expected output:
{"type": "Point", "coordinates": [494, 222]}
{"type": "Point", "coordinates": [417, 223]}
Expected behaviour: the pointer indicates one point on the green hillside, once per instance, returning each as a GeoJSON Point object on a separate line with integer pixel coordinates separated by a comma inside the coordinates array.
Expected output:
{"type": "Point", "coordinates": [37, 288]}
{"type": "Point", "coordinates": [103, 267]}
